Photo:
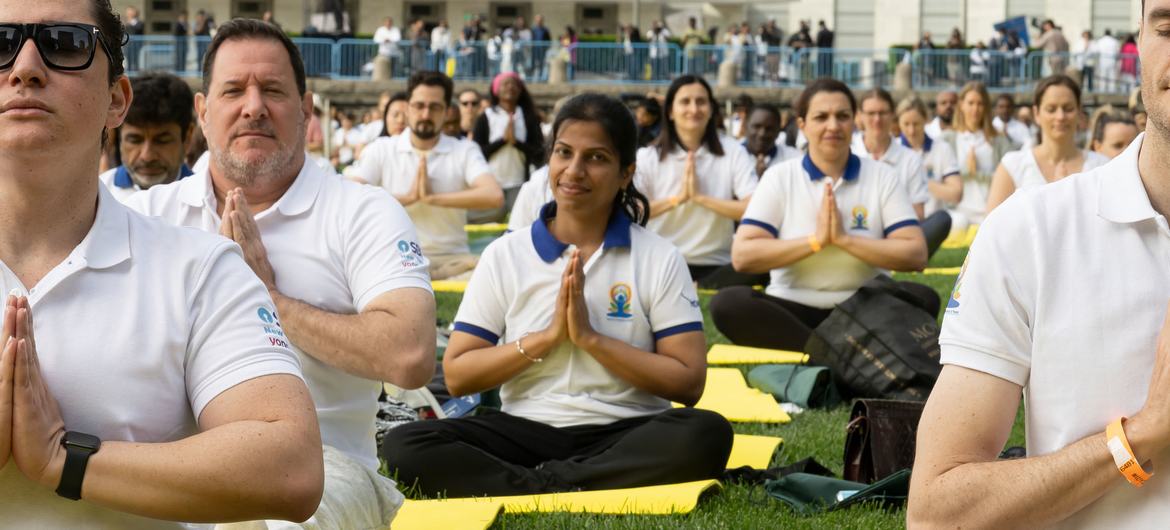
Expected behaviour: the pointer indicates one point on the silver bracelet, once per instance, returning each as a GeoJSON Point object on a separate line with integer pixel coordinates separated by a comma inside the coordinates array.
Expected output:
{"type": "Point", "coordinates": [520, 350]}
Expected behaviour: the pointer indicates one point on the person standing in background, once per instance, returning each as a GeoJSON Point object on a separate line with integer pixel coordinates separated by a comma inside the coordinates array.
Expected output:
{"type": "Point", "coordinates": [180, 31]}
{"type": "Point", "coordinates": [204, 24]}
{"type": "Point", "coordinates": [825, 49]}
{"type": "Point", "coordinates": [388, 36]}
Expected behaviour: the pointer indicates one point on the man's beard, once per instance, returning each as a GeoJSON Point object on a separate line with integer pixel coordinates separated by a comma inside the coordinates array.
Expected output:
{"type": "Point", "coordinates": [946, 118]}
{"type": "Point", "coordinates": [422, 134]}
{"type": "Point", "coordinates": [244, 173]}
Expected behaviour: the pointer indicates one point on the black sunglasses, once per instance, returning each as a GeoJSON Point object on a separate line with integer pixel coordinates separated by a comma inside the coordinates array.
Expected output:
{"type": "Point", "coordinates": [66, 46]}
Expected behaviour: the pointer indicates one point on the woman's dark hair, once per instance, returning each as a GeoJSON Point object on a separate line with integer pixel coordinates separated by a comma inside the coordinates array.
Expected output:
{"type": "Point", "coordinates": [523, 101]}
{"type": "Point", "coordinates": [615, 118]}
{"type": "Point", "coordinates": [651, 106]}
{"type": "Point", "coordinates": [878, 93]}
{"type": "Point", "coordinates": [668, 138]}
{"type": "Point", "coordinates": [1105, 120]}
{"type": "Point", "coordinates": [398, 96]}
{"type": "Point", "coordinates": [824, 84]}
{"type": "Point", "coordinates": [1047, 83]}
{"type": "Point", "coordinates": [114, 35]}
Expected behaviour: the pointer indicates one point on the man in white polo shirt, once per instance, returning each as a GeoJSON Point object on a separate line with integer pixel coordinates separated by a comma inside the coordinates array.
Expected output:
{"type": "Point", "coordinates": [1063, 300]}
{"type": "Point", "coordinates": [153, 386]}
{"type": "Point", "coordinates": [436, 177]}
{"type": "Point", "coordinates": [152, 143]}
{"type": "Point", "coordinates": [340, 259]}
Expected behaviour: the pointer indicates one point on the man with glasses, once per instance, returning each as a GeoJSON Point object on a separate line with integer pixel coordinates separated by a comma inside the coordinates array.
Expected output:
{"type": "Point", "coordinates": [180, 405]}
{"type": "Point", "coordinates": [340, 259]}
{"type": "Point", "coordinates": [470, 107]}
{"type": "Point", "coordinates": [436, 177]}
{"type": "Point", "coordinates": [153, 140]}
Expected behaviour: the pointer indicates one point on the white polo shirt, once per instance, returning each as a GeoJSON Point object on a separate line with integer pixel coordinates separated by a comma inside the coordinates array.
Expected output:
{"type": "Point", "coordinates": [121, 185]}
{"type": "Point", "coordinates": [703, 236]}
{"type": "Point", "coordinates": [533, 195]}
{"type": "Point", "coordinates": [1025, 173]}
{"type": "Point", "coordinates": [869, 198]}
{"type": "Point", "coordinates": [908, 166]}
{"type": "Point", "coordinates": [637, 288]}
{"type": "Point", "coordinates": [137, 330]}
{"type": "Point", "coordinates": [452, 165]}
{"type": "Point", "coordinates": [1064, 292]}
{"type": "Point", "coordinates": [939, 161]}
{"type": "Point", "coordinates": [333, 244]}
{"type": "Point", "coordinates": [778, 154]}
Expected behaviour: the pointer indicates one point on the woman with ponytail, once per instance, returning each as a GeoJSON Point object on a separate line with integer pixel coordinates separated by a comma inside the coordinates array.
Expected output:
{"type": "Point", "coordinates": [590, 326]}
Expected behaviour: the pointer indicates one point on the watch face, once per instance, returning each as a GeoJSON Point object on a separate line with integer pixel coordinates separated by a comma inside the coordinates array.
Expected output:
{"type": "Point", "coordinates": [81, 441]}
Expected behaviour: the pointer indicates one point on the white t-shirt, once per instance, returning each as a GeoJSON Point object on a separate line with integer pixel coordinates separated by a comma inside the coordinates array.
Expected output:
{"type": "Point", "coordinates": [137, 330]}
{"type": "Point", "coordinates": [508, 162]}
{"type": "Point", "coordinates": [786, 204]}
{"type": "Point", "coordinates": [973, 206]}
{"type": "Point", "coordinates": [637, 288]}
{"type": "Point", "coordinates": [1064, 293]}
{"type": "Point", "coordinates": [334, 244]}
{"type": "Point", "coordinates": [703, 237]}
{"type": "Point", "coordinates": [907, 165]}
{"type": "Point", "coordinates": [1025, 173]}
{"type": "Point", "coordinates": [452, 165]}
{"type": "Point", "coordinates": [533, 195]}
{"type": "Point", "coordinates": [939, 162]}
{"type": "Point", "coordinates": [778, 154]}
{"type": "Point", "coordinates": [387, 39]}
{"type": "Point", "coordinates": [934, 128]}
{"type": "Point", "coordinates": [1016, 131]}
{"type": "Point", "coordinates": [346, 141]}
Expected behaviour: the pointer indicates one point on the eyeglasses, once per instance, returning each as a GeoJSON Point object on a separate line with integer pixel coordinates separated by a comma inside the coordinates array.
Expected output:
{"type": "Point", "coordinates": [65, 46]}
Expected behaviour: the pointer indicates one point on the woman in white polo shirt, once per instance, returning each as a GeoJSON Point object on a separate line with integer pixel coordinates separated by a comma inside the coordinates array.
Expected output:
{"type": "Point", "coordinates": [601, 331]}
{"type": "Point", "coordinates": [942, 170]}
{"type": "Point", "coordinates": [698, 183]}
{"type": "Point", "coordinates": [979, 148]}
{"type": "Point", "coordinates": [1057, 106]}
{"type": "Point", "coordinates": [823, 226]}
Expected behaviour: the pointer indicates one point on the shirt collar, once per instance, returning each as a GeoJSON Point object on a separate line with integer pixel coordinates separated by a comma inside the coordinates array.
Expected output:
{"type": "Point", "coordinates": [617, 233]}
{"type": "Point", "coordinates": [122, 176]}
{"type": "Point", "coordinates": [197, 191]}
{"type": "Point", "coordinates": [108, 241]}
{"type": "Point", "coordinates": [852, 168]}
{"type": "Point", "coordinates": [927, 142]}
{"type": "Point", "coordinates": [1122, 197]}
{"type": "Point", "coordinates": [771, 153]}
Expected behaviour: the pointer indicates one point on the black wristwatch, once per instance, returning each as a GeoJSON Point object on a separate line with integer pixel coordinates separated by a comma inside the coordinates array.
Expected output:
{"type": "Point", "coordinates": [78, 448]}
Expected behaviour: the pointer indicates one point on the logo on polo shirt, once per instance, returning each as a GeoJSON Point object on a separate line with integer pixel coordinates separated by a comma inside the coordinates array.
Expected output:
{"type": "Point", "coordinates": [619, 302]}
{"type": "Point", "coordinates": [859, 218]}
{"type": "Point", "coordinates": [272, 327]}
{"type": "Point", "coordinates": [956, 294]}
{"type": "Point", "coordinates": [411, 253]}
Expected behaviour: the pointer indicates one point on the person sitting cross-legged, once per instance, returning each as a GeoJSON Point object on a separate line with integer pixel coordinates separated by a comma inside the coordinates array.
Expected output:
{"type": "Point", "coordinates": [601, 330]}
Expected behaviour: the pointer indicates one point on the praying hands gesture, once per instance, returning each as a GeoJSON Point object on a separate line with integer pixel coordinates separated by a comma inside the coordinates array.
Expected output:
{"type": "Point", "coordinates": [31, 426]}
{"type": "Point", "coordinates": [689, 183]}
{"type": "Point", "coordinates": [830, 229]}
{"type": "Point", "coordinates": [571, 316]}
{"type": "Point", "coordinates": [238, 225]}
{"type": "Point", "coordinates": [510, 130]}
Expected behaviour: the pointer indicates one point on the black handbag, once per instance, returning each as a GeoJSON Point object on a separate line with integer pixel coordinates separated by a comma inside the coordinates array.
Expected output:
{"type": "Point", "coordinates": [879, 344]}
{"type": "Point", "coordinates": [880, 438]}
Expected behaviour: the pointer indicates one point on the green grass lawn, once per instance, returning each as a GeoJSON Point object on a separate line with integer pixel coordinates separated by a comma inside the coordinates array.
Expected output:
{"type": "Point", "coordinates": [816, 433]}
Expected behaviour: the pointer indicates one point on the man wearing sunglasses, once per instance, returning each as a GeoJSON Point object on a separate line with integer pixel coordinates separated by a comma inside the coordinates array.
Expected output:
{"type": "Point", "coordinates": [469, 111]}
{"type": "Point", "coordinates": [152, 142]}
{"type": "Point", "coordinates": [341, 260]}
{"type": "Point", "coordinates": [151, 387]}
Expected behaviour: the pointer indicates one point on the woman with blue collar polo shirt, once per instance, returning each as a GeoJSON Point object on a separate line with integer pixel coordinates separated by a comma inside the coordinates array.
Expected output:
{"type": "Point", "coordinates": [698, 183]}
{"type": "Point", "coordinates": [601, 330]}
{"type": "Point", "coordinates": [823, 225]}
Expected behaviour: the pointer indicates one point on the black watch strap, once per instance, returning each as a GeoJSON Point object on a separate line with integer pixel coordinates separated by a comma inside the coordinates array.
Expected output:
{"type": "Point", "coordinates": [78, 448]}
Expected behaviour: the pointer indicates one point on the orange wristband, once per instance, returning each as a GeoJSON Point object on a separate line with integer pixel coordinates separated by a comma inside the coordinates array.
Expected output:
{"type": "Point", "coordinates": [1123, 454]}
{"type": "Point", "coordinates": [812, 242]}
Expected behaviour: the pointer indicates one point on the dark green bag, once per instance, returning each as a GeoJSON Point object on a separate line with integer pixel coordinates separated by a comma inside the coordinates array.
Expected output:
{"type": "Point", "coordinates": [807, 386]}
{"type": "Point", "coordinates": [811, 494]}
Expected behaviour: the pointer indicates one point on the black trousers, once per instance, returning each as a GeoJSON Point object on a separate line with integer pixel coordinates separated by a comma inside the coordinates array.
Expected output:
{"type": "Point", "coordinates": [752, 318]}
{"type": "Point", "coordinates": [720, 276]}
{"type": "Point", "coordinates": [936, 227]}
{"type": "Point", "coordinates": [501, 454]}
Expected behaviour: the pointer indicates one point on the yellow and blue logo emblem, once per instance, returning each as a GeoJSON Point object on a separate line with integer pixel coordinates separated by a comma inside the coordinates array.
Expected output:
{"type": "Point", "coordinates": [619, 302]}
{"type": "Point", "coordinates": [859, 218]}
{"type": "Point", "coordinates": [956, 293]}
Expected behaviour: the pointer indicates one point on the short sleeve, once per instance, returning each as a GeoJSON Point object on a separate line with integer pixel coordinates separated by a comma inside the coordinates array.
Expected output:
{"type": "Point", "coordinates": [368, 166]}
{"type": "Point", "coordinates": [674, 307]}
{"type": "Point", "coordinates": [235, 333]}
{"type": "Point", "coordinates": [527, 206]}
{"type": "Point", "coordinates": [743, 173]}
{"type": "Point", "coordinates": [483, 311]}
{"type": "Point", "coordinates": [896, 209]}
{"type": "Point", "coordinates": [474, 164]}
{"type": "Point", "coordinates": [948, 163]}
{"type": "Point", "coordinates": [766, 207]}
{"type": "Point", "coordinates": [916, 183]}
{"type": "Point", "coordinates": [647, 169]}
{"type": "Point", "coordinates": [987, 326]}
{"type": "Point", "coordinates": [382, 251]}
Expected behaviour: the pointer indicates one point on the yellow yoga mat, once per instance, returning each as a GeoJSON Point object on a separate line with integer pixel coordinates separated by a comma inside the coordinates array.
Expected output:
{"type": "Point", "coordinates": [753, 451]}
{"type": "Point", "coordinates": [943, 271]}
{"type": "Point", "coordinates": [649, 500]}
{"type": "Point", "coordinates": [728, 394]}
{"type": "Point", "coordinates": [485, 228]}
{"type": "Point", "coordinates": [732, 354]}
{"type": "Point", "coordinates": [961, 239]}
{"type": "Point", "coordinates": [449, 286]}
{"type": "Point", "coordinates": [447, 515]}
